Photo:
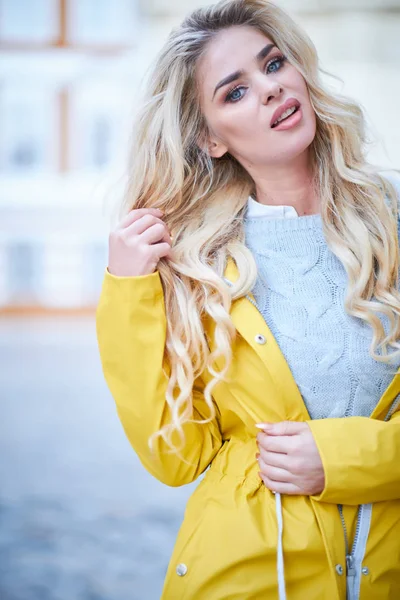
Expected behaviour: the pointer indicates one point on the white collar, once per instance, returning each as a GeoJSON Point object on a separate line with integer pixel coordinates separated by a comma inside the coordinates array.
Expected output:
{"type": "Point", "coordinates": [256, 210]}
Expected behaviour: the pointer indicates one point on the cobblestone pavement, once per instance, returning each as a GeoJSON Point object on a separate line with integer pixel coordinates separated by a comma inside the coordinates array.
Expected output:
{"type": "Point", "coordinates": [80, 518]}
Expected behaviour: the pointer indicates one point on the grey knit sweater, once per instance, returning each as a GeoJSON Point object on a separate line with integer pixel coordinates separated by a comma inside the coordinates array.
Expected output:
{"type": "Point", "coordinates": [300, 292]}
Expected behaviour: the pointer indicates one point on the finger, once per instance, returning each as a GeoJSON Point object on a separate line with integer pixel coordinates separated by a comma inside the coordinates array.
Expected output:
{"type": "Point", "coordinates": [156, 233]}
{"type": "Point", "coordinates": [141, 225]}
{"type": "Point", "coordinates": [275, 459]}
{"type": "Point", "coordinates": [283, 427]}
{"type": "Point", "coordinates": [162, 250]}
{"type": "Point", "coordinates": [281, 444]}
{"type": "Point", "coordinates": [282, 488]}
{"type": "Point", "coordinates": [138, 213]}
{"type": "Point", "coordinates": [275, 473]}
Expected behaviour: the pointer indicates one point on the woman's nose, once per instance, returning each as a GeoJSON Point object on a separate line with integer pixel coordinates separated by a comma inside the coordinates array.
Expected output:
{"type": "Point", "coordinates": [270, 91]}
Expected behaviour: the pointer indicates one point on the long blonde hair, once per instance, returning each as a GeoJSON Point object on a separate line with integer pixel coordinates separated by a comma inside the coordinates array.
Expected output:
{"type": "Point", "coordinates": [204, 201]}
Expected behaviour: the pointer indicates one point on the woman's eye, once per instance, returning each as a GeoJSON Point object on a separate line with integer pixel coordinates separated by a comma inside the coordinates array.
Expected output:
{"type": "Point", "coordinates": [276, 61]}
{"type": "Point", "coordinates": [234, 95]}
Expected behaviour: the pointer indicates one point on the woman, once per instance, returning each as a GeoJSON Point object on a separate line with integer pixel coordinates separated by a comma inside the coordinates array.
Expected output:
{"type": "Point", "coordinates": [263, 337]}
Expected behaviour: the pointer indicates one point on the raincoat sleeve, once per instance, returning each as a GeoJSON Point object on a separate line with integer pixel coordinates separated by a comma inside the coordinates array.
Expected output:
{"type": "Point", "coordinates": [361, 459]}
{"type": "Point", "coordinates": [131, 333]}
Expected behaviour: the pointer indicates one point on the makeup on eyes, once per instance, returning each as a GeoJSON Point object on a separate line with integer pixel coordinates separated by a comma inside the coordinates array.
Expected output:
{"type": "Point", "coordinates": [279, 58]}
{"type": "Point", "coordinates": [233, 76]}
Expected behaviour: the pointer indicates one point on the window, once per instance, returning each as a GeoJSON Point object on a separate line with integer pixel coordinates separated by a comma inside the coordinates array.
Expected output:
{"type": "Point", "coordinates": [34, 21]}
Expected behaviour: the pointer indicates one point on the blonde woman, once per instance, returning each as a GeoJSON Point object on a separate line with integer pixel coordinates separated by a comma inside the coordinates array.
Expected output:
{"type": "Point", "coordinates": [250, 317]}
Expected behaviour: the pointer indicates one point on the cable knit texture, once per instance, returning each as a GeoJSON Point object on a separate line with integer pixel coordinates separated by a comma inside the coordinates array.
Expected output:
{"type": "Point", "coordinates": [300, 292]}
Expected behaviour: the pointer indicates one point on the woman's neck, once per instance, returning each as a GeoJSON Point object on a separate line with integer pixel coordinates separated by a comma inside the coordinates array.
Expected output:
{"type": "Point", "coordinates": [303, 198]}
{"type": "Point", "coordinates": [292, 184]}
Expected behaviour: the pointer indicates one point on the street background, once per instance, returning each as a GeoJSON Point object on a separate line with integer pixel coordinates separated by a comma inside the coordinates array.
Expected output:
{"type": "Point", "coordinates": [80, 518]}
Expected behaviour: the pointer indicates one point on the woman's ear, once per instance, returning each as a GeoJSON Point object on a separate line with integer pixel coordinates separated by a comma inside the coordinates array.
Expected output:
{"type": "Point", "coordinates": [216, 149]}
{"type": "Point", "coordinates": [212, 146]}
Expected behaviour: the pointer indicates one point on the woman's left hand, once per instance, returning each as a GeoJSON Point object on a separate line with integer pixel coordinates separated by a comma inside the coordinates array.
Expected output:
{"type": "Point", "coordinates": [289, 459]}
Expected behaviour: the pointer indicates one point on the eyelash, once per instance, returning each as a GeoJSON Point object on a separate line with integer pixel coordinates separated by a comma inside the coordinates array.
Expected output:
{"type": "Point", "coordinates": [228, 98]}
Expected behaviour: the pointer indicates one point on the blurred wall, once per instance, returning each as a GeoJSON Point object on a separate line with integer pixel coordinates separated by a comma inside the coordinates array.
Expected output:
{"type": "Point", "coordinates": [70, 72]}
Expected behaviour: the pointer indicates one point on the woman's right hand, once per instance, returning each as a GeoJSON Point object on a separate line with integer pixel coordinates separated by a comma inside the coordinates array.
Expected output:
{"type": "Point", "coordinates": [138, 243]}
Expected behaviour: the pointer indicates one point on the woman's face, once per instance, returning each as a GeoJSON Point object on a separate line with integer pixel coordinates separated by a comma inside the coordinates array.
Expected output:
{"type": "Point", "coordinates": [239, 110]}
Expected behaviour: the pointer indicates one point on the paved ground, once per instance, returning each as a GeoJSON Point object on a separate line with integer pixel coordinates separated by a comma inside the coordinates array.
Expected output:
{"type": "Point", "coordinates": [80, 519]}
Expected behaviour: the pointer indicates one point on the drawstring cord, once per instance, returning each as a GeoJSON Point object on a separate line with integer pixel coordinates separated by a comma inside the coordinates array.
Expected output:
{"type": "Point", "coordinates": [278, 504]}
{"type": "Point", "coordinates": [280, 565]}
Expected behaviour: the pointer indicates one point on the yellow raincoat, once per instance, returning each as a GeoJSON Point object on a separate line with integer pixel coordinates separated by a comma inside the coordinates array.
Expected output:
{"type": "Point", "coordinates": [230, 545]}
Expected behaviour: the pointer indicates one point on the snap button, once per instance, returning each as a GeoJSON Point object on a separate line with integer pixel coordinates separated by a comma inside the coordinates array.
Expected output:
{"type": "Point", "coordinates": [181, 569]}
{"type": "Point", "coordinates": [339, 569]}
{"type": "Point", "coordinates": [365, 571]}
{"type": "Point", "coordinates": [260, 339]}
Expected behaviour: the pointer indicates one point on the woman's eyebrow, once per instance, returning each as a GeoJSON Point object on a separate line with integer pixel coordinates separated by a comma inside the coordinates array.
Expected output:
{"type": "Point", "coordinates": [237, 74]}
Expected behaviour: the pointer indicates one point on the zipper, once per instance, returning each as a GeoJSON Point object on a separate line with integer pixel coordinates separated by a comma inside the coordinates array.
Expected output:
{"type": "Point", "coordinates": [247, 296]}
{"type": "Point", "coordinates": [350, 562]}
{"type": "Point", "coordinates": [253, 303]}
{"type": "Point", "coordinates": [350, 566]}
{"type": "Point", "coordinates": [392, 408]}
{"type": "Point", "coordinates": [350, 575]}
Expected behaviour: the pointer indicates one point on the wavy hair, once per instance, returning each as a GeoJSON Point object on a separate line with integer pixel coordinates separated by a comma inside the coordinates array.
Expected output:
{"type": "Point", "coordinates": [204, 200]}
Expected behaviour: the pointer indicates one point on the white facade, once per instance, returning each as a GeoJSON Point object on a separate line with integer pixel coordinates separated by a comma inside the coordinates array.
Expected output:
{"type": "Point", "coordinates": [66, 112]}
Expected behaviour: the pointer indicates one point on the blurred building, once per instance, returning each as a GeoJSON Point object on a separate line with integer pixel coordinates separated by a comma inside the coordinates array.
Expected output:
{"type": "Point", "coordinates": [70, 74]}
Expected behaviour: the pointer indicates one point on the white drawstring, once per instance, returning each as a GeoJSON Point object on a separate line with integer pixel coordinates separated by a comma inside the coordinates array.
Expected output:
{"type": "Point", "coordinates": [280, 566]}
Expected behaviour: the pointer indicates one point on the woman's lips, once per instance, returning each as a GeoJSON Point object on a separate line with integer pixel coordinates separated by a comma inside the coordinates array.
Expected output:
{"type": "Point", "coordinates": [290, 103]}
{"type": "Point", "coordinates": [289, 122]}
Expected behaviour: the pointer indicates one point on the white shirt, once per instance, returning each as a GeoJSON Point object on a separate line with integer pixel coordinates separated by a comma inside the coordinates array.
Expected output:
{"type": "Point", "coordinates": [256, 210]}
